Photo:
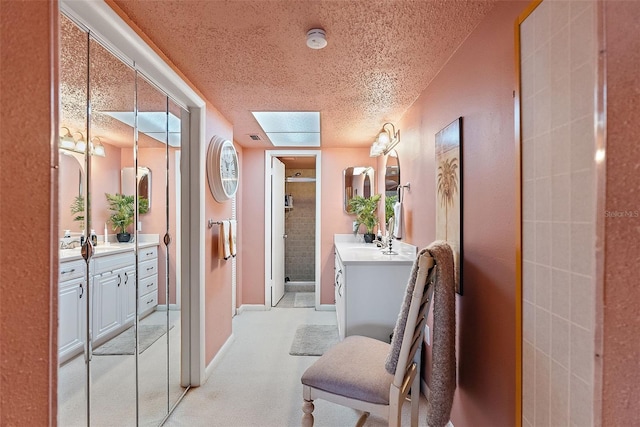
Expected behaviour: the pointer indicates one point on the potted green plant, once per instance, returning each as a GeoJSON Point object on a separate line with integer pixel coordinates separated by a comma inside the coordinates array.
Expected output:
{"type": "Point", "coordinates": [77, 210]}
{"type": "Point", "coordinates": [123, 208]}
{"type": "Point", "coordinates": [389, 201]}
{"type": "Point", "coordinates": [365, 209]}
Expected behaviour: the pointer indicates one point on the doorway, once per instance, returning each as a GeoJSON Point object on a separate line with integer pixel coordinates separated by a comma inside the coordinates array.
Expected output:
{"type": "Point", "coordinates": [292, 228]}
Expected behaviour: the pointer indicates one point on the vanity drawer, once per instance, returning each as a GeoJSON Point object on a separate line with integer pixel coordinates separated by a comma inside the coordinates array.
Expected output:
{"type": "Point", "coordinates": [148, 284]}
{"type": "Point", "coordinates": [148, 302]}
{"type": "Point", "coordinates": [147, 268]}
{"type": "Point", "coordinates": [113, 262]}
{"type": "Point", "coordinates": [147, 253]}
{"type": "Point", "coordinates": [72, 269]}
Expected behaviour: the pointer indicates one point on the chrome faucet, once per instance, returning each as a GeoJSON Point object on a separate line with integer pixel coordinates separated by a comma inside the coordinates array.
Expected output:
{"type": "Point", "coordinates": [70, 244]}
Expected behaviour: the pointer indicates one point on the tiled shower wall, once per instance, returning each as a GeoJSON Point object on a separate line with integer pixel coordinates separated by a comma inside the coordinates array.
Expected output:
{"type": "Point", "coordinates": [300, 227]}
{"type": "Point", "coordinates": [558, 77]}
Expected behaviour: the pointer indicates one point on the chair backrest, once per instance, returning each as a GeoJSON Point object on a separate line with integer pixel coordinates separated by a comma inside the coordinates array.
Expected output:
{"type": "Point", "coordinates": [416, 318]}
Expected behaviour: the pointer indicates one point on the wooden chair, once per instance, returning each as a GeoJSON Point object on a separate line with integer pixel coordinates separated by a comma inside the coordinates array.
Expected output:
{"type": "Point", "coordinates": [353, 374]}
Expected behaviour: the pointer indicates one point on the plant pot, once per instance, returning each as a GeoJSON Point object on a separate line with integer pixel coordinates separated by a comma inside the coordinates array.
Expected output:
{"type": "Point", "coordinates": [369, 237]}
{"type": "Point", "coordinates": [123, 237]}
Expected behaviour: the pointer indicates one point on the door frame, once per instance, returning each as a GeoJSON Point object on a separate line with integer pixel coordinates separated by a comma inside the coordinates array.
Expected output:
{"type": "Point", "coordinates": [114, 32]}
{"type": "Point", "coordinates": [270, 154]}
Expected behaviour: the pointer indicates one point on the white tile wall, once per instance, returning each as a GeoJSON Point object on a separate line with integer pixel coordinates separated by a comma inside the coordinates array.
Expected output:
{"type": "Point", "coordinates": [558, 63]}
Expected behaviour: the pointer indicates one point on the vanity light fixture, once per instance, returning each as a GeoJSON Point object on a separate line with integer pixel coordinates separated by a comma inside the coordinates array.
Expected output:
{"type": "Point", "coordinates": [386, 141]}
{"type": "Point", "coordinates": [81, 144]}
{"type": "Point", "coordinates": [66, 141]}
{"type": "Point", "coordinates": [69, 143]}
{"type": "Point", "coordinates": [96, 147]}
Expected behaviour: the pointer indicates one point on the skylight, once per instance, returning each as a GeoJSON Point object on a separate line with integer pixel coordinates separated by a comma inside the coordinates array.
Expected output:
{"type": "Point", "coordinates": [151, 123]}
{"type": "Point", "coordinates": [290, 128]}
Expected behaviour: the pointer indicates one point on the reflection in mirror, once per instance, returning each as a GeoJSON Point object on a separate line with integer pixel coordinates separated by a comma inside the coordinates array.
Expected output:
{"type": "Point", "coordinates": [357, 181]}
{"type": "Point", "coordinates": [392, 174]}
{"type": "Point", "coordinates": [113, 294]}
{"type": "Point", "coordinates": [72, 302]}
{"type": "Point", "coordinates": [143, 177]}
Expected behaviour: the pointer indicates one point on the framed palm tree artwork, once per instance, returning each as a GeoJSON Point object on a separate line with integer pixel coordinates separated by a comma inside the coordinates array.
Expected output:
{"type": "Point", "coordinates": [449, 192]}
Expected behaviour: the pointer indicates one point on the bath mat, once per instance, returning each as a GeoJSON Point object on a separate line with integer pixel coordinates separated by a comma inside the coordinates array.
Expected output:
{"type": "Point", "coordinates": [124, 343]}
{"type": "Point", "coordinates": [313, 340]}
{"type": "Point", "coordinates": [304, 299]}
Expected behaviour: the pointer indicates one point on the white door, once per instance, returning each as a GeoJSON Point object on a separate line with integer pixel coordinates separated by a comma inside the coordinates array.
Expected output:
{"type": "Point", "coordinates": [277, 231]}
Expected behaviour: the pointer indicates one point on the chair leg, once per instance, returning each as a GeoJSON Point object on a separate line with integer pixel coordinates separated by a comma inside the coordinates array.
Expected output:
{"type": "Point", "coordinates": [307, 418]}
{"type": "Point", "coordinates": [362, 419]}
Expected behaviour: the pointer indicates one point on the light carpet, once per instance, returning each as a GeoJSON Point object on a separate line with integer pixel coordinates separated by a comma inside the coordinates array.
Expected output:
{"type": "Point", "coordinates": [313, 340]}
{"type": "Point", "coordinates": [124, 343]}
{"type": "Point", "coordinates": [257, 383]}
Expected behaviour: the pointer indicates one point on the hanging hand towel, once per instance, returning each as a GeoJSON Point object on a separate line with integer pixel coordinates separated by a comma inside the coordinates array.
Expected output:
{"type": "Point", "coordinates": [233, 229]}
{"type": "Point", "coordinates": [224, 250]}
{"type": "Point", "coordinates": [397, 214]}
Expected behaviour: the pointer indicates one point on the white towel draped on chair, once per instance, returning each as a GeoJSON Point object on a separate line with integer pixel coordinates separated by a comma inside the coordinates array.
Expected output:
{"type": "Point", "coordinates": [233, 229]}
{"type": "Point", "coordinates": [224, 248]}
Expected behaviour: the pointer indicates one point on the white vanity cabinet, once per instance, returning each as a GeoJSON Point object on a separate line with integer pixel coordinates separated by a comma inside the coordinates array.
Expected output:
{"type": "Point", "coordinates": [114, 295]}
{"type": "Point", "coordinates": [71, 309]}
{"type": "Point", "coordinates": [370, 288]}
{"type": "Point", "coordinates": [148, 271]}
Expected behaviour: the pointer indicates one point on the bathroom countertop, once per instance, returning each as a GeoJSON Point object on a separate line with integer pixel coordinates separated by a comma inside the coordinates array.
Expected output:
{"type": "Point", "coordinates": [103, 250]}
{"type": "Point", "coordinates": [351, 250]}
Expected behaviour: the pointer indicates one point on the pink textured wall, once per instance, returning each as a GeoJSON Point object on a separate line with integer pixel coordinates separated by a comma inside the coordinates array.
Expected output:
{"type": "Point", "coordinates": [251, 287]}
{"type": "Point", "coordinates": [28, 350]}
{"type": "Point", "coordinates": [217, 271]}
{"type": "Point", "coordinates": [477, 83]}
{"type": "Point", "coordinates": [621, 351]}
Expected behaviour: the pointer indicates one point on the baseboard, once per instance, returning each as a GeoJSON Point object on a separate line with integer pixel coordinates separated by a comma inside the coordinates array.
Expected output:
{"type": "Point", "coordinates": [217, 358]}
{"type": "Point", "coordinates": [326, 307]}
{"type": "Point", "coordinates": [251, 307]}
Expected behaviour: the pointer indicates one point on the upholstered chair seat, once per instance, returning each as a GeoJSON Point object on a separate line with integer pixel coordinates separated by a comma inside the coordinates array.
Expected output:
{"type": "Point", "coordinates": [354, 369]}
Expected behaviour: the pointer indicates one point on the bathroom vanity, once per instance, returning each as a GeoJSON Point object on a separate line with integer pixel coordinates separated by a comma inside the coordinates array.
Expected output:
{"type": "Point", "coordinates": [113, 284]}
{"type": "Point", "coordinates": [369, 286]}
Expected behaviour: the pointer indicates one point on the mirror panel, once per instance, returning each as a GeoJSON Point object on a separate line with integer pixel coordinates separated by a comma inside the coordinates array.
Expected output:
{"type": "Point", "coordinates": [73, 371]}
{"type": "Point", "coordinates": [357, 181]}
{"type": "Point", "coordinates": [113, 292]}
{"type": "Point", "coordinates": [172, 285]}
{"type": "Point", "coordinates": [153, 381]}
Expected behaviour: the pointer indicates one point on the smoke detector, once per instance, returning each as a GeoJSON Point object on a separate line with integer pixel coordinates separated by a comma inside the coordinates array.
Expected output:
{"type": "Point", "coordinates": [316, 38]}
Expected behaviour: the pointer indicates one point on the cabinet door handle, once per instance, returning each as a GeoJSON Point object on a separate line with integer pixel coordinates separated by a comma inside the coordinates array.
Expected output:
{"type": "Point", "coordinates": [119, 280]}
{"type": "Point", "coordinates": [149, 302]}
{"type": "Point", "coordinates": [126, 278]}
{"type": "Point", "coordinates": [81, 291]}
{"type": "Point", "coordinates": [149, 253]}
{"type": "Point", "coordinates": [340, 290]}
{"type": "Point", "coordinates": [149, 268]}
{"type": "Point", "coordinates": [68, 271]}
{"type": "Point", "coordinates": [150, 285]}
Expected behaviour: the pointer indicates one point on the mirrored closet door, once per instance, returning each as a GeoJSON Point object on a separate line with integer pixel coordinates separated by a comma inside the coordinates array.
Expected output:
{"type": "Point", "coordinates": [121, 351]}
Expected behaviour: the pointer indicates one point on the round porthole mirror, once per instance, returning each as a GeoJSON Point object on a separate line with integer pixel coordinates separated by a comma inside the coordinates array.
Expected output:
{"type": "Point", "coordinates": [222, 169]}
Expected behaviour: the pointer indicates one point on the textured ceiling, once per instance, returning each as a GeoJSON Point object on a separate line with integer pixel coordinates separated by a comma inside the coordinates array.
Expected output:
{"type": "Point", "coordinates": [251, 55]}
